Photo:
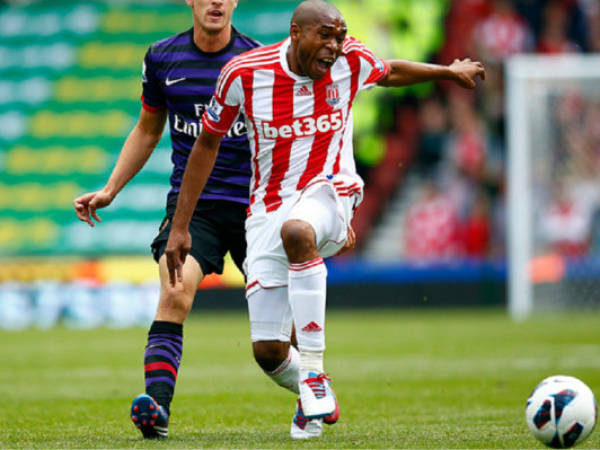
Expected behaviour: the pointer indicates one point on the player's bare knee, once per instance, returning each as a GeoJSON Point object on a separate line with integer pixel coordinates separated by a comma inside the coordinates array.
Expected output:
{"type": "Point", "coordinates": [177, 299]}
{"type": "Point", "coordinates": [270, 354]}
{"type": "Point", "coordinates": [298, 239]}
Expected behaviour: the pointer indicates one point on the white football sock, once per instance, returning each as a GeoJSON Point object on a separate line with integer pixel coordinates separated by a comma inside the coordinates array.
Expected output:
{"type": "Point", "coordinates": [306, 291]}
{"type": "Point", "coordinates": [287, 374]}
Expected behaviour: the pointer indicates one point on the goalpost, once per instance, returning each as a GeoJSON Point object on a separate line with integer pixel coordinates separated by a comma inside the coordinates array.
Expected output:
{"type": "Point", "coordinates": [553, 174]}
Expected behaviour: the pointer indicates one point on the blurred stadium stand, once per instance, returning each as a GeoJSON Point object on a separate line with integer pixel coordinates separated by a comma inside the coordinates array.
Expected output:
{"type": "Point", "coordinates": [69, 94]}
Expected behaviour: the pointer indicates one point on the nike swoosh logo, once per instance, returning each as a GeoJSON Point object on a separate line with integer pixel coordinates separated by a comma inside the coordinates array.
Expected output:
{"type": "Point", "coordinates": [176, 80]}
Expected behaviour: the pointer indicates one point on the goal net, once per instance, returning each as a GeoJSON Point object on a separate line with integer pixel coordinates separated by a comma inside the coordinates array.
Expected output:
{"type": "Point", "coordinates": [553, 117]}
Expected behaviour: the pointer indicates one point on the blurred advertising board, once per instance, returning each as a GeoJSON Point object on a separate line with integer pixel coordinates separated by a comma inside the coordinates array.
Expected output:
{"type": "Point", "coordinates": [70, 85]}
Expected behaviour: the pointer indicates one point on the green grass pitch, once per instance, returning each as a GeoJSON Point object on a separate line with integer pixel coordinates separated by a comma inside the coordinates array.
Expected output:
{"type": "Point", "coordinates": [404, 379]}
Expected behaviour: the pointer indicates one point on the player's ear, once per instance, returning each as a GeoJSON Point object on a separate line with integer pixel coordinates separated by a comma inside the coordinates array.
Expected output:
{"type": "Point", "coordinates": [294, 31]}
{"type": "Point", "coordinates": [190, 3]}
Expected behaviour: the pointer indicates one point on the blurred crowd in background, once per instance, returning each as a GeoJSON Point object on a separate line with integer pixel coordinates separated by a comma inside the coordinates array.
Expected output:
{"type": "Point", "coordinates": [457, 203]}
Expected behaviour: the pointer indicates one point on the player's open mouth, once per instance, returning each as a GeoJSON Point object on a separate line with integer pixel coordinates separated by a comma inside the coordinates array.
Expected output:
{"type": "Point", "coordinates": [215, 13]}
{"type": "Point", "coordinates": [325, 63]}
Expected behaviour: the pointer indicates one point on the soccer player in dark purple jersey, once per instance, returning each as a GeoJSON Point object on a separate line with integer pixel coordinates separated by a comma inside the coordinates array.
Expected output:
{"type": "Point", "coordinates": [179, 77]}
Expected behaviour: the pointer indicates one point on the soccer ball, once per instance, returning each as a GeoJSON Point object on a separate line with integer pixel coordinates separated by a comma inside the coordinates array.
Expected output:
{"type": "Point", "coordinates": [561, 411]}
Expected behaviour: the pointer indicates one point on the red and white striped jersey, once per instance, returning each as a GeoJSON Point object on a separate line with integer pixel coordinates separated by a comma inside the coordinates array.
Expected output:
{"type": "Point", "coordinates": [299, 129]}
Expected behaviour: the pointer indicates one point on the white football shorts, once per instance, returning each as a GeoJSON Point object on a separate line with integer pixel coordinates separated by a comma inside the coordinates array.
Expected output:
{"type": "Point", "coordinates": [328, 209]}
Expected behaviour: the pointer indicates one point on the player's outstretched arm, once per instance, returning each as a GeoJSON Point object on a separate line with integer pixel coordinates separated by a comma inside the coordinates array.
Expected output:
{"type": "Point", "coordinates": [199, 166]}
{"type": "Point", "coordinates": [463, 72]}
{"type": "Point", "coordinates": [136, 150]}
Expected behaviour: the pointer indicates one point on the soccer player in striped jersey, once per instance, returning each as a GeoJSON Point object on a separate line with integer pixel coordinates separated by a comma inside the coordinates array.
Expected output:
{"type": "Point", "coordinates": [297, 100]}
{"type": "Point", "coordinates": [178, 79]}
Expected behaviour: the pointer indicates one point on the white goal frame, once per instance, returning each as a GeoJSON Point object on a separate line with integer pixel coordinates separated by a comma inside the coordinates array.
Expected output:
{"type": "Point", "coordinates": [519, 71]}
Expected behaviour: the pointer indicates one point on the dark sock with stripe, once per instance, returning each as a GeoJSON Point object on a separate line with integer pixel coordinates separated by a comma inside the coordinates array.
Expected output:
{"type": "Point", "coordinates": [161, 361]}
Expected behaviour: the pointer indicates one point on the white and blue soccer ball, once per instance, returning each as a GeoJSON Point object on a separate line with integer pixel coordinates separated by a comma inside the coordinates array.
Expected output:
{"type": "Point", "coordinates": [561, 411]}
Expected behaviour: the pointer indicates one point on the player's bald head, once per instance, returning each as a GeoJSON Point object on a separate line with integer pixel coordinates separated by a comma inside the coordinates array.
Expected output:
{"type": "Point", "coordinates": [317, 34]}
{"type": "Point", "coordinates": [312, 11]}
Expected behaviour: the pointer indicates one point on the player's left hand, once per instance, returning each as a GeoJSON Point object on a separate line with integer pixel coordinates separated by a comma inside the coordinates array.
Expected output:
{"type": "Point", "coordinates": [466, 71]}
{"type": "Point", "coordinates": [350, 242]}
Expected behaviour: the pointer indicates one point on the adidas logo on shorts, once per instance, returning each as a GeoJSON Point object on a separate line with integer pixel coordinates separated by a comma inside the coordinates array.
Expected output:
{"type": "Point", "coordinates": [312, 326]}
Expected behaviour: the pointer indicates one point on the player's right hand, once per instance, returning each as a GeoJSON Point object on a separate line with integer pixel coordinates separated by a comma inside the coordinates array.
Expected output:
{"type": "Point", "coordinates": [86, 205]}
{"type": "Point", "coordinates": [178, 247]}
{"type": "Point", "coordinates": [350, 242]}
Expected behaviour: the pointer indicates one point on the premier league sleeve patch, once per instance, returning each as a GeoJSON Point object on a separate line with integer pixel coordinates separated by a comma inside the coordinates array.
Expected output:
{"type": "Point", "coordinates": [214, 110]}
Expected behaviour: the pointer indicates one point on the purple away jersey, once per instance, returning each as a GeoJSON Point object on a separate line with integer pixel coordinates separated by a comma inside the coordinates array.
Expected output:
{"type": "Point", "coordinates": [177, 75]}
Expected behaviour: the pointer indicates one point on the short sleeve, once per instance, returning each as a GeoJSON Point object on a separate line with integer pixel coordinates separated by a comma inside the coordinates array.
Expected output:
{"type": "Point", "coordinates": [153, 98]}
{"type": "Point", "coordinates": [371, 68]}
{"type": "Point", "coordinates": [225, 104]}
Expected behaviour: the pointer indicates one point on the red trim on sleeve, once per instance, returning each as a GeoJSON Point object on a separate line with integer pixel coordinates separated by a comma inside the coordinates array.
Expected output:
{"type": "Point", "coordinates": [378, 75]}
{"type": "Point", "coordinates": [150, 108]}
{"type": "Point", "coordinates": [227, 117]}
{"type": "Point", "coordinates": [208, 127]}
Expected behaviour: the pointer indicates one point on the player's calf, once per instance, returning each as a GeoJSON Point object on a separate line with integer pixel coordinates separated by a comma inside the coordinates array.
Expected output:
{"type": "Point", "coordinates": [282, 370]}
{"type": "Point", "coordinates": [270, 354]}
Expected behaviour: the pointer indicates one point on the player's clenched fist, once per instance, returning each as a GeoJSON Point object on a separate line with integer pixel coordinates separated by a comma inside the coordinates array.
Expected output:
{"type": "Point", "coordinates": [178, 247]}
{"type": "Point", "coordinates": [86, 205]}
{"type": "Point", "coordinates": [466, 71]}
